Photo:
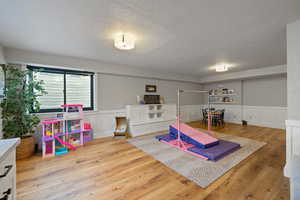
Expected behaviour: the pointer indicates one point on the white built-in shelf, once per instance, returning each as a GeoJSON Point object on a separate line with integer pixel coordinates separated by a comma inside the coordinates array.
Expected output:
{"type": "Point", "coordinates": [222, 98]}
{"type": "Point", "coordinates": [222, 95]}
{"type": "Point", "coordinates": [223, 102]}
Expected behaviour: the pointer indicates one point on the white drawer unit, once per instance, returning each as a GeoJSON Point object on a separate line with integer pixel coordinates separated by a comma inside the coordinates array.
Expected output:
{"type": "Point", "coordinates": [8, 169]}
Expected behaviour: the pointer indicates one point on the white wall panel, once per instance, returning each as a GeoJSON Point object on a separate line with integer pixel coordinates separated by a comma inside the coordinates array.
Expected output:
{"type": "Point", "coordinates": [266, 116]}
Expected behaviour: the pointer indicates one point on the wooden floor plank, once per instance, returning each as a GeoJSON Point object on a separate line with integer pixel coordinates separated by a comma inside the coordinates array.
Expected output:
{"type": "Point", "coordinates": [111, 168]}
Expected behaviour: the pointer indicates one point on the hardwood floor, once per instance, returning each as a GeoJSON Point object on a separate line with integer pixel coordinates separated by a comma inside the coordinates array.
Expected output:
{"type": "Point", "coordinates": [113, 169]}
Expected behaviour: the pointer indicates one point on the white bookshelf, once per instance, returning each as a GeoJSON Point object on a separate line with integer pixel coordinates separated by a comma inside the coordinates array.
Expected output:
{"type": "Point", "coordinates": [150, 118]}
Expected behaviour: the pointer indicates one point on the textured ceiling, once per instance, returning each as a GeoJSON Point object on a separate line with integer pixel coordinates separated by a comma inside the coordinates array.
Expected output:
{"type": "Point", "coordinates": [186, 37]}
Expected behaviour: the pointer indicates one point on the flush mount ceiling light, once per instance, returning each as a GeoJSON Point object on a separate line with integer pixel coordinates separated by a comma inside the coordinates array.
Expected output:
{"type": "Point", "coordinates": [221, 68]}
{"type": "Point", "coordinates": [124, 41]}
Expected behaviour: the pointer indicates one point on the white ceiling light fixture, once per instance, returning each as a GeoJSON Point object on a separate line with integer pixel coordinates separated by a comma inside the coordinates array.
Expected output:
{"type": "Point", "coordinates": [124, 41]}
{"type": "Point", "coordinates": [221, 68]}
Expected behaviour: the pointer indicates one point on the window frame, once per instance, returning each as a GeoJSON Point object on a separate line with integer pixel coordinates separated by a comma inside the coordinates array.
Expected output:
{"type": "Point", "coordinates": [65, 72]}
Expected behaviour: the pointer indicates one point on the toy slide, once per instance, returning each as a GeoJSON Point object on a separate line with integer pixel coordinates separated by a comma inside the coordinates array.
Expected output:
{"type": "Point", "coordinates": [193, 136]}
{"type": "Point", "coordinates": [65, 143]}
{"type": "Point", "coordinates": [216, 152]}
{"type": "Point", "coordinates": [198, 143]}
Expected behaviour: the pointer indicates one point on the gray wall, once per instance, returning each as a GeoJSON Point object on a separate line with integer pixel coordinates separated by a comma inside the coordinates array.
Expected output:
{"type": "Point", "coordinates": [293, 71]}
{"type": "Point", "coordinates": [264, 91]}
{"type": "Point", "coordinates": [267, 91]}
{"type": "Point", "coordinates": [25, 56]}
{"type": "Point", "coordinates": [115, 91]}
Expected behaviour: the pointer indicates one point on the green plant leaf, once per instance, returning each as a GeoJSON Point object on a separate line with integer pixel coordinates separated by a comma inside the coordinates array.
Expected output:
{"type": "Point", "coordinates": [21, 94]}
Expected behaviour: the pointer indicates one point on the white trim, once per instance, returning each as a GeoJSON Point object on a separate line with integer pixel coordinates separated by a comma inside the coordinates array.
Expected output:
{"type": "Point", "coordinates": [295, 123]}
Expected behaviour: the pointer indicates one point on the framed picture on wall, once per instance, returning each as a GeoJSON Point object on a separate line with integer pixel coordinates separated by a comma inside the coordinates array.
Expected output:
{"type": "Point", "coordinates": [150, 88]}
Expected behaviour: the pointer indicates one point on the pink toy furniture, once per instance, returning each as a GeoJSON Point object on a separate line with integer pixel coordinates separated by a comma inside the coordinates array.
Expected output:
{"type": "Point", "coordinates": [67, 132]}
{"type": "Point", "coordinates": [87, 133]}
{"type": "Point", "coordinates": [51, 128]}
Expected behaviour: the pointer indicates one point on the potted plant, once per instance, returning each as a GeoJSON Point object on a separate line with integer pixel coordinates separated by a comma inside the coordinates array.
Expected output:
{"type": "Point", "coordinates": [21, 92]}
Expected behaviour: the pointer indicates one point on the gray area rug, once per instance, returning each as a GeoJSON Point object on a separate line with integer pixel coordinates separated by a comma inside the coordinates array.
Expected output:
{"type": "Point", "coordinates": [199, 171]}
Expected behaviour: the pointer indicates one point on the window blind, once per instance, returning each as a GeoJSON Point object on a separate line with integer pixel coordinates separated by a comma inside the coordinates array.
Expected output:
{"type": "Point", "coordinates": [65, 87]}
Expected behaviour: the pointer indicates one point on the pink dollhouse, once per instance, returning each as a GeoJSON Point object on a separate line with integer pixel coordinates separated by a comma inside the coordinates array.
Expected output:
{"type": "Point", "coordinates": [65, 133]}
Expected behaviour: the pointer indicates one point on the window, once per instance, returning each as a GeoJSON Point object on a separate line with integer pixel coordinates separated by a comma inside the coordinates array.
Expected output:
{"type": "Point", "coordinates": [65, 87]}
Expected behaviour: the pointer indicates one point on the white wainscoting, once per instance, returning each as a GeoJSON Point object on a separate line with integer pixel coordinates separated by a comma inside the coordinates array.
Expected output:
{"type": "Point", "coordinates": [266, 116]}
{"type": "Point", "coordinates": [103, 122]}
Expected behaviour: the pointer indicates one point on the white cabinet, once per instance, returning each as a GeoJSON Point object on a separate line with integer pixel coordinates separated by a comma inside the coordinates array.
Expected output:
{"type": "Point", "coordinates": [150, 118]}
{"type": "Point", "coordinates": [8, 169]}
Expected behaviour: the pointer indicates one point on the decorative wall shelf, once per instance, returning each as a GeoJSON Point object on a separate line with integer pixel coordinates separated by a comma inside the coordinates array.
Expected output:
{"type": "Point", "coordinates": [222, 96]}
{"type": "Point", "coordinates": [224, 103]}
